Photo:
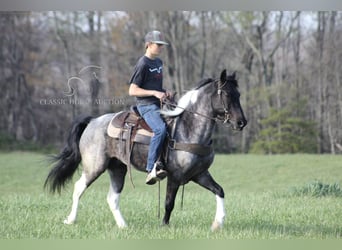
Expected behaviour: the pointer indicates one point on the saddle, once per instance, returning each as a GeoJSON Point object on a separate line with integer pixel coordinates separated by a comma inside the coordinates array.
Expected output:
{"type": "Point", "coordinates": [130, 118]}
{"type": "Point", "coordinates": [130, 126]}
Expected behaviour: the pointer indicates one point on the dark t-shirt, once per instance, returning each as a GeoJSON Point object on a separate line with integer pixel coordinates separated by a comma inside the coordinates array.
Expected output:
{"type": "Point", "coordinates": [148, 74]}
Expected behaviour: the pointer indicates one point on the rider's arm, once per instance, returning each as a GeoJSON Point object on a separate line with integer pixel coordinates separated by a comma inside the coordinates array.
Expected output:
{"type": "Point", "coordinates": [135, 90]}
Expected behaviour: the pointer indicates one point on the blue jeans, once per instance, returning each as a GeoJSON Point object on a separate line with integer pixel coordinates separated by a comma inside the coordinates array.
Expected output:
{"type": "Point", "coordinates": [151, 115]}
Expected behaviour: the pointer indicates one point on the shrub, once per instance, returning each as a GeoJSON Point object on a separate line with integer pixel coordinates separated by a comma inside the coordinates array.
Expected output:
{"type": "Point", "coordinates": [318, 189]}
{"type": "Point", "coordinates": [9, 143]}
{"type": "Point", "coordinates": [286, 131]}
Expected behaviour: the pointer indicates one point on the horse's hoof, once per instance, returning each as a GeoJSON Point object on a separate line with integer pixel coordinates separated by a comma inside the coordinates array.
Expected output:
{"type": "Point", "coordinates": [164, 224]}
{"type": "Point", "coordinates": [216, 226]}
{"type": "Point", "coordinates": [122, 226]}
{"type": "Point", "coordinates": [67, 222]}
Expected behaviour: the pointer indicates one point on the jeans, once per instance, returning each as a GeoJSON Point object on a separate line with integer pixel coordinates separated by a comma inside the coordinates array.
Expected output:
{"type": "Point", "coordinates": [151, 115]}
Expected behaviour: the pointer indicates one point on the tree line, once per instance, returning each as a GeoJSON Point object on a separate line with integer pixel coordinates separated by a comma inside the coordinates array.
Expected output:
{"type": "Point", "coordinates": [58, 65]}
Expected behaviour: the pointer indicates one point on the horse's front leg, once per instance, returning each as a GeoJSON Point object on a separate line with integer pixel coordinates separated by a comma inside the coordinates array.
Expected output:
{"type": "Point", "coordinates": [207, 181]}
{"type": "Point", "coordinates": [171, 192]}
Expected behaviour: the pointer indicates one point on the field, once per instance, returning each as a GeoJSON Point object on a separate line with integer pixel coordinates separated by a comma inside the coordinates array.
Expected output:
{"type": "Point", "coordinates": [267, 197]}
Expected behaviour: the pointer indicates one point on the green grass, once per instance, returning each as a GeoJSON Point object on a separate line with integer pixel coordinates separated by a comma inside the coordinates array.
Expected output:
{"type": "Point", "coordinates": [260, 203]}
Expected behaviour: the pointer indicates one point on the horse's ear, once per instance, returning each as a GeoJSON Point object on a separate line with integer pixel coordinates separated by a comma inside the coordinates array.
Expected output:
{"type": "Point", "coordinates": [223, 76]}
{"type": "Point", "coordinates": [233, 75]}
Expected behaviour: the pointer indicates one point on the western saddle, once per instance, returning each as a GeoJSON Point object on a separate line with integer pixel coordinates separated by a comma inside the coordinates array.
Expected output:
{"type": "Point", "coordinates": [130, 126]}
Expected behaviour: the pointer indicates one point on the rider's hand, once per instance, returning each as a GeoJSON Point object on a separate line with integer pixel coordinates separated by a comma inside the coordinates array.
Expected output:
{"type": "Point", "coordinates": [159, 95]}
{"type": "Point", "coordinates": [168, 94]}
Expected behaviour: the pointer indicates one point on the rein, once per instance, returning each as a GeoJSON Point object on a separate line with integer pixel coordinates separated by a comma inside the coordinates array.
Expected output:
{"type": "Point", "coordinates": [189, 111]}
{"type": "Point", "coordinates": [195, 148]}
{"type": "Point", "coordinates": [220, 92]}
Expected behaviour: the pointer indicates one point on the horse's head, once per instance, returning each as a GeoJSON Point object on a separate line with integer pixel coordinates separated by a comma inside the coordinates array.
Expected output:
{"type": "Point", "coordinates": [226, 102]}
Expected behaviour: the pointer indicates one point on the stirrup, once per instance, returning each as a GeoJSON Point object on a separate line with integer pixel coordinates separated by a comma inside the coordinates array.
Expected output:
{"type": "Point", "coordinates": [150, 180]}
{"type": "Point", "coordinates": [160, 173]}
{"type": "Point", "coordinates": [156, 174]}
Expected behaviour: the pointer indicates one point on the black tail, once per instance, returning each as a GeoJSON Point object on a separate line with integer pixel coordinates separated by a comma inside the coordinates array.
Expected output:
{"type": "Point", "coordinates": [68, 160]}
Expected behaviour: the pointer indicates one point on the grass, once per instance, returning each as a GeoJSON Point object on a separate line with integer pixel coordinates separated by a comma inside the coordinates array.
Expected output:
{"type": "Point", "coordinates": [260, 203]}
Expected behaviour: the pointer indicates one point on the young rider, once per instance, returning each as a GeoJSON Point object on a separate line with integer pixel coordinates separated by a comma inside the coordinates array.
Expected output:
{"type": "Point", "coordinates": [146, 85]}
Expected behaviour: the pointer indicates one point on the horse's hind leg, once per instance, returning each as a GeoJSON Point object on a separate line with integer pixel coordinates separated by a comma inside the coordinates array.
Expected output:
{"type": "Point", "coordinates": [117, 172]}
{"type": "Point", "coordinates": [79, 188]}
{"type": "Point", "coordinates": [206, 181]}
{"type": "Point", "coordinates": [92, 169]}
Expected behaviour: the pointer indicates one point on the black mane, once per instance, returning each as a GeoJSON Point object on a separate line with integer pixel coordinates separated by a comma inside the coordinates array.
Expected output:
{"type": "Point", "coordinates": [204, 82]}
{"type": "Point", "coordinates": [230, 79]}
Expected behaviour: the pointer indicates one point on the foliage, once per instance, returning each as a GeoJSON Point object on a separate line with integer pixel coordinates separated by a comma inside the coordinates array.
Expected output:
{"type": "Point", "coordinates": [286, 131]}
{"type": "Point", "coordinates": [41, 51]}
{"type": "Point", "coordinates": [8, 143]}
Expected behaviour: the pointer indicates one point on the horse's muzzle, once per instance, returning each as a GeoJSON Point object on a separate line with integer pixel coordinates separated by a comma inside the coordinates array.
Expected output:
{"type": "Point", "coordinates": [239, 125]}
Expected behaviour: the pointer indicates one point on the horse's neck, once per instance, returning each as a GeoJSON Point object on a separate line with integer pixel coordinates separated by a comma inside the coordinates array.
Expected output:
{"type": "Point", "coordinates": [192, 126]}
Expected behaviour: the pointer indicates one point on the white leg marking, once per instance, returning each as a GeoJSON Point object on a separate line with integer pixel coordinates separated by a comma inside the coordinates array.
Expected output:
{"type": "Point", "coordinates": [113, 200]}
{"type": "Point", "coordinates": [79, 188]}
{"type": "Point", "coordinates": [220, 214]}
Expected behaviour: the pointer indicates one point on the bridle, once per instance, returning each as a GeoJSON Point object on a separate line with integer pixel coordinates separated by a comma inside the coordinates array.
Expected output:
{"type": "Point", "coordinates": [220, 92]}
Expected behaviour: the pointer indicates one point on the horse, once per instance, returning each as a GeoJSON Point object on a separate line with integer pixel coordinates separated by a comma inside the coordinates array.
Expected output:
{"type": "Point", "coordinates": [193, 121]}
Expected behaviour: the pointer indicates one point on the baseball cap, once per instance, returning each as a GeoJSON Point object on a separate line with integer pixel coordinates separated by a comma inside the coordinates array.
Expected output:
{"type": "Point", "coordinates": [155, 37]}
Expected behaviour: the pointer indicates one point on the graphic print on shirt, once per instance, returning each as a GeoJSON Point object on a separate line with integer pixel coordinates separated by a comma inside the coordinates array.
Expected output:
{"type": "Point", "coordinates": [156, 69]}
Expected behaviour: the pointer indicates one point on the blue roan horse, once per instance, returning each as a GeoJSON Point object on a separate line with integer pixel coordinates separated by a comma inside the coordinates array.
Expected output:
{"type": "Point", "coordinates": [194, 119]}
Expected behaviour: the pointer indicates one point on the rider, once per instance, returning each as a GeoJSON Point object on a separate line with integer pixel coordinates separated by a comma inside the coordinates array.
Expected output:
{"type": "Point", "coordinates": [146, 85]}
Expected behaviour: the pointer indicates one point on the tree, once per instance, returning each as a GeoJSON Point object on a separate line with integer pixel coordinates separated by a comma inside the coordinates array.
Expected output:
{"type": "Point", "coordinates": [280, 58]}
{"type": "Point", "coordinates": [286, 131]}
{"type": "Point", "coordinates": [17, 44]}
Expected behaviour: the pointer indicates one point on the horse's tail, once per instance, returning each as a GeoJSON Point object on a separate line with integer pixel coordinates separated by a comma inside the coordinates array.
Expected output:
{"type": "Point", "coordinates": [67, 161]}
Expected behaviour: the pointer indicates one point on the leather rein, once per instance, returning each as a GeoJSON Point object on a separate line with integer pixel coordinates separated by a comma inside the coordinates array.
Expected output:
{"type": "Point", "coordinates": [220, 92]}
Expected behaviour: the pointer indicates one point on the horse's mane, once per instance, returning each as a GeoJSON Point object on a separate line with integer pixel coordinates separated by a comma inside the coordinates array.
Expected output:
{"type": "Point", "coordinates": [186, 99]}
{"type": "Point", "coordinates": [203, 82]}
